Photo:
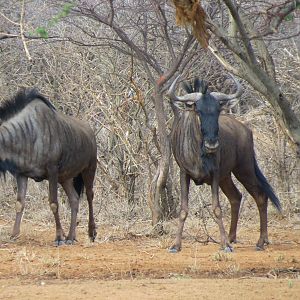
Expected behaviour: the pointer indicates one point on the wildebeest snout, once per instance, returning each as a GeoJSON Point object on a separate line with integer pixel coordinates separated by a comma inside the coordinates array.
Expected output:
{"type": "Point", "coordinates": [211, 146]}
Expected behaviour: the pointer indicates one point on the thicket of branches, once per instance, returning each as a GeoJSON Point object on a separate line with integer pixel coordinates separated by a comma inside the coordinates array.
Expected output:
{"type": "Point", "coordinates": [110, 62]}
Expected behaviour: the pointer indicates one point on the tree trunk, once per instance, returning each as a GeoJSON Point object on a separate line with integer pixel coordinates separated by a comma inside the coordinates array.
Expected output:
{"type": "Point", "coordinates": [130, 188]}
{"type": "Point", "coordinates": [157, 192]}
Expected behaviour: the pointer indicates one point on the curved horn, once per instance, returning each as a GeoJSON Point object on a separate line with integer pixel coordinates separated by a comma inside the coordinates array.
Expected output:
{"type": "Point", "coordinates": [193, 97]}
{"type": "Point", "coordinates": [171, 91]}
{"type": "Point", "coordinates": [224, 97]}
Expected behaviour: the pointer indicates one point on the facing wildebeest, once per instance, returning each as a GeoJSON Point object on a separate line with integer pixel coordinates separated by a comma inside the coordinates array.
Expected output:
{"type": "Point", "coordinates": [38, 142]}
{"type": "Point", "coordinates": [208, 147]}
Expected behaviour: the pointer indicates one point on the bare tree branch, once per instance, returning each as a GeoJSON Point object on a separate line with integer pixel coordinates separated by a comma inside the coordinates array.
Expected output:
{"type": "Point", "coordinates": [6, 35]}
{"type": "Point", "coordinates": [22, 31]}
{"type": "Point", "coordinates": [244, 36]}
{"type": "Point", "coordinates": [280, 13]}
{"type": "Point", "coordinates": [8, 19]}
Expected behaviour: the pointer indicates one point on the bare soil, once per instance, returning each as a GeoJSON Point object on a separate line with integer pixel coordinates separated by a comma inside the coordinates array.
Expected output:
{"type": "Point", "coordinates": [130, 266]}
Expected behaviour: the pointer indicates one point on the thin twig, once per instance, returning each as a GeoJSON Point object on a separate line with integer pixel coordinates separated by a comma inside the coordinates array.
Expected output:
{"type": "Point", "coordinates": [227, 65]}
{"type": "Point", "coordinates": [22, 31]}
{"type": "Point", "coordinates": [9, 20]}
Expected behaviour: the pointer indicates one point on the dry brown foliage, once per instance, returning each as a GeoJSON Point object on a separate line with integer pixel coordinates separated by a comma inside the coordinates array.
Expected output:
{"type": "Point", "coordinates": [104, 87]}
{"type": "Point", "coordinates": [190, 12]}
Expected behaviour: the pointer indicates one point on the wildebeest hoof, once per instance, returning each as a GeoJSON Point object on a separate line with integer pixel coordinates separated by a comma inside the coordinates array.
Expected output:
{"type": "Point", "coordinates": [259, 248]}
{"type": "Point", "coordinates": [58, 243]}
{"type": "Point", "coordinates": [174, 249]}
{"type": "Point", "coordinates": [14, 237]}
{"type": "Point", "coordinates": [93, 236]}
{"type": "Point", "coordinates": [228, 249]}
{"type": "Point", "coordinates": [234, 241]}
{"type": "Point", "coordinates": [260, 244]}
{"type": "Point", "coordinates": [70, 242]}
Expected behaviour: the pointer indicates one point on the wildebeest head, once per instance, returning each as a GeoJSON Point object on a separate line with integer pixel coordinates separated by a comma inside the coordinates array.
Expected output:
{"type": "Point", "coordinates": [208, 106]}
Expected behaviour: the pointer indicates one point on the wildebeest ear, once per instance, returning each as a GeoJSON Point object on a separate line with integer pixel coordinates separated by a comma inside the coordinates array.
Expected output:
{"type": "Point", "coordinates": [226, 105]}
{"type": "Point", "coordinates": [204, 87]}
{"type": "Point", "coordinates": [197, 85]}
{"type": "Point", "coordinates": [187, 87]}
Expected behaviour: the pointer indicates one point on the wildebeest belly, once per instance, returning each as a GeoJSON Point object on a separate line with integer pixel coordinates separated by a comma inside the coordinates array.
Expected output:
{"type": "Point", "coordinates": [68, 169]}
{"type": "Point", "coordinates": [37, 174]}
{"type": "Point", "coordinates": [66, 173]}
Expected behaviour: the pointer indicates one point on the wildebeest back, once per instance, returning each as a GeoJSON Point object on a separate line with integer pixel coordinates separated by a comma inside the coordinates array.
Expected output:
{"type": "Point", "coordinates": [36, 136]}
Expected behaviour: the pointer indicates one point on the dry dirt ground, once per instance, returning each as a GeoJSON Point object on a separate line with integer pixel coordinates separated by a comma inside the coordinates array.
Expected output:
{"type": "Point", "coordinates": [128, 266]}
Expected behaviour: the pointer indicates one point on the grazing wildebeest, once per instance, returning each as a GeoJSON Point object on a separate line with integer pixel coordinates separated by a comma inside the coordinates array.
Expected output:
{"type": "Point", "coordinates": [208, 147]}
{"type": "Point", "coordinates": [38, 142]}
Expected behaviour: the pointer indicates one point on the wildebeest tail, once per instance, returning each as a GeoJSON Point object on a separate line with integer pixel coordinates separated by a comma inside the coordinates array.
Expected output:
{"type": "Point", "coordinates": [267, 187]}
{"type": "Point", "coordinates": [7, 166]}
{"type": "Point", "coordinates": [78, 184]}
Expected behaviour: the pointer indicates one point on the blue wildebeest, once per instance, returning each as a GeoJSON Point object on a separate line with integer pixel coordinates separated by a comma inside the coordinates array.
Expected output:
{"type": "Point", "coordinates": [38, 142]}
{"type": "Point", "coordinates": [208, 147]}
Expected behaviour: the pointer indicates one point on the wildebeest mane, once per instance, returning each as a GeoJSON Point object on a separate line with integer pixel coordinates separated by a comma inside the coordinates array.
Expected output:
{"type": "Point", "coordinates": [11, 107]}
{"type": "Point", "coordinates": [199, 86]}
{"type": "Point", "coordinates": [192, 88]}
{"type": "Point", "coordinates": [209, 163]}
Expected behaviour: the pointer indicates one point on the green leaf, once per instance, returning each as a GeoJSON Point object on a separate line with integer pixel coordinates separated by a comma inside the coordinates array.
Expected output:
{"type": "Point", "coordinates": [289, 17]}
{"type": "Point", "coordinates": [67, 8]}
{"type": "Point", "coordinates": [42, 32]}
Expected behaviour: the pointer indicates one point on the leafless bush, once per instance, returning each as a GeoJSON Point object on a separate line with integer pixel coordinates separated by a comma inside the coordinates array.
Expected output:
{"type": "Point", "coordinates": [110, 90]}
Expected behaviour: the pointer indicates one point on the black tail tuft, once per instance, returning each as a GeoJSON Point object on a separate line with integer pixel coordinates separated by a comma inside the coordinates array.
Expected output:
{"type": "Point", "coordinates": [78, 184]}
{"type": "Point", "coordinates": [267, 187]}
{"type": "Point", "coordinates": [8, 166]}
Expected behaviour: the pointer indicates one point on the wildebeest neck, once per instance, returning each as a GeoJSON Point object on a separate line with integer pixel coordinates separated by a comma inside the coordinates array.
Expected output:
{"type": "Point", "coordinates": [187, 145]}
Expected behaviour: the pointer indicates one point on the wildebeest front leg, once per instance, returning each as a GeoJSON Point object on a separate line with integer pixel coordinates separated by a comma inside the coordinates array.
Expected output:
{"type": "Point", "coordinates": [20, 204]}
{"type": "Point", "coordinates": [184, 186]}
{"type": "Point", "coordinates": [218, 214]}
{"type": "Point", "coordinates": [74, 204]}
{"type": "Point", "coordinates": [53, 182]}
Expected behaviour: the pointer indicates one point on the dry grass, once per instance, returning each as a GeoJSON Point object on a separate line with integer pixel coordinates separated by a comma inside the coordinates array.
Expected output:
{"type": "Point", "coordinates": [274, 154]}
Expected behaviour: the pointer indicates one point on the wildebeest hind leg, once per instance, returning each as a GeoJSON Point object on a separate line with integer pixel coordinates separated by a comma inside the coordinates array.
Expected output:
{"type": "Point", "coordinates": [53, 181]}
{"type": "Point", "coordinates": [234, 196]}
{"type": "Point", "coordinates": [252, 186]}
{"type": "Point", "coordinates": [74, 204]}
{"type": "Point", "coordinates": [88, 179]}
{"type": "Point", "coordinates": [262, 204]}
{"type": "Point", "coordinates": [20, 204]}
